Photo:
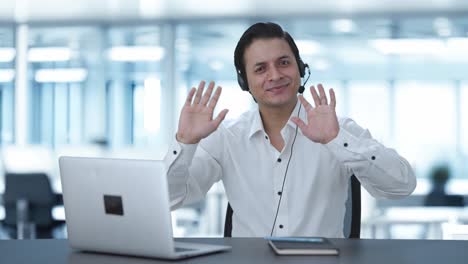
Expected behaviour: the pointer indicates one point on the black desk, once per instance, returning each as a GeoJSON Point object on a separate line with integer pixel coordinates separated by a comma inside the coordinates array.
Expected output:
{"type": "Point", "coordinates": [252, 250]}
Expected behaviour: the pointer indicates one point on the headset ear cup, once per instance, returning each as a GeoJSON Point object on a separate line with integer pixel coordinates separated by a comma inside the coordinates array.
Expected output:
{"type": "Point", "coordinates": [243, 85]}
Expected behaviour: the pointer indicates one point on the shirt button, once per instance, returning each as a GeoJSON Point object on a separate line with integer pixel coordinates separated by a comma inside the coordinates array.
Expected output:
{"type": "Point", "coordinates": [345, 144]}
{"type": "Point", "coordinates": [279, 193]}
{"type": "Point", "coordinates": [373, 157]}
{"type": "Point", "coordinates": [280, 226]}
{"type": "Point", "coordinates": [175, 152]}
{"type": "Point", "coordinates": [279, 160]}
{"type": "Point", "coordinates": [266, 137]}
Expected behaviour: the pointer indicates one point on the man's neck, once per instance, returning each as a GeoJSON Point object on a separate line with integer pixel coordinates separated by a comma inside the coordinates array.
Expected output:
{"type": "Point", "coordinates": [275, 118]}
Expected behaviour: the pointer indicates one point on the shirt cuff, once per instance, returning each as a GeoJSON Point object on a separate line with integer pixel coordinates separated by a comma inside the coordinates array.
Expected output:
{"type": "Point", "coordinates": [348, 147]}
{"type": "Point", "coordinates": [181, 152]}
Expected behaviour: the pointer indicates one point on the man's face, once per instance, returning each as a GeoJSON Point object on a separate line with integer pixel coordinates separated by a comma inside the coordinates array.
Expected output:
{"type": "Point", "coordinates": [272, 72]}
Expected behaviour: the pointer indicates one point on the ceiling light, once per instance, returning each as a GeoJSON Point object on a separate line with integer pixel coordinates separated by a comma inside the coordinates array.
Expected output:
{"type": "Point", "coordinates": [308, 47]}
{"type": "Point", "coordinates": [61, 75]}
{"type": "Point", "coordinates": [152, 8]}
{"type": "Point", "coordinates": [49, 54]}
{"type": "Point", "coordinates": [216, 65]}
{"type": "Point", "coordinates": [321, 65]}
{"type": "Point", "coordinates": [343, 25]}
{"type": "Point", "coordinates": [7, 54]}
{"type": "Point", "coordinates": [408, 46]}
{"type": "Point", "coordinates": [7, 75]}
{"type": "Point", "coordinates": [136, 53]}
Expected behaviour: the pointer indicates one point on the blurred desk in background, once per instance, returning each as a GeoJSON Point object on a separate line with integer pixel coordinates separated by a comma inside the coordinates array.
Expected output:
{"type": "Point", "coordinates": [430, 218]}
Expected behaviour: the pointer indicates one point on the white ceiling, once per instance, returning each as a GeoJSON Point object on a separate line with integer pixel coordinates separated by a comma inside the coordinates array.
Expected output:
{"type": "Point", "coordinates": [53, 10]}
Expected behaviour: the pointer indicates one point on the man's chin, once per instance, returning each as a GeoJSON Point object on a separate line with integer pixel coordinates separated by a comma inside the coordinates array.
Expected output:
{"type": "Point", "coordinates": [280, 101]}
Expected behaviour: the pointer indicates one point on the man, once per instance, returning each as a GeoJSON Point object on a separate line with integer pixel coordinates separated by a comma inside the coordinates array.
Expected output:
{"type": "Point", "coordinates": [263, 158]}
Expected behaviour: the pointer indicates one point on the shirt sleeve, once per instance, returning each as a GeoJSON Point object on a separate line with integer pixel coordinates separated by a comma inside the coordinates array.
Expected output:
{"type": "Point", "coordinates": [382, 171]}
{"type": "Point", "coordinates": [191, 171]}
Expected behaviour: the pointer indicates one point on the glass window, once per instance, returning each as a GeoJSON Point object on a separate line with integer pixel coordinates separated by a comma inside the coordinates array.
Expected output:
{"type": "Point", "coordinates": [369, 107]}
{"type": "Point", "coordinates": [138, 92]}
{"type": "Point", "coordinates": [464, 119]}
{"type": "Point", "coordinates": [7, 78]}
{"type": "Point", "coordinates": [425, 114]}
{"type": "Point", "coordinates": [62, 64]}
{"type": "Point", "coordinates": [205, 51]}
{"type": "Point", "coordinates": [146, 111]}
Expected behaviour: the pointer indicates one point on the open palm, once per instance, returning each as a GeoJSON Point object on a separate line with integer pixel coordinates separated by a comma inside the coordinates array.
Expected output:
{"type": "Point", "coordinates": [196, 118]}
{"type": "Point", "coordinates": [322, 123]}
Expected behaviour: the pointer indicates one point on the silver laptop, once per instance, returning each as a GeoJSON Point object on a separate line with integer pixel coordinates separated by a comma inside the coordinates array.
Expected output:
{"type": "Point", "coordinates": [121, 206]}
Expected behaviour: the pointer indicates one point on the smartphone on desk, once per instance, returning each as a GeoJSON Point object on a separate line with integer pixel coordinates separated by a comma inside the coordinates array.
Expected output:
{"type": "Point", "coordinates": [302, 246]}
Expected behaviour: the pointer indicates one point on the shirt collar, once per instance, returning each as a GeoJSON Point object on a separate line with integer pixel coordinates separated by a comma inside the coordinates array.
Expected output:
{"type": "Point", "coordinates": [257, 124]}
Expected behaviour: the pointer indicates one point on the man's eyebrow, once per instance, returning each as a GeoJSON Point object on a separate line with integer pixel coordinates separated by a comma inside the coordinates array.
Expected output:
{"type": "Point", "coordinates": [259, 63]}
{"type": "Point", "coordinates": [284, 57]}
{"type": "Point", "coordinates": [279, 58]}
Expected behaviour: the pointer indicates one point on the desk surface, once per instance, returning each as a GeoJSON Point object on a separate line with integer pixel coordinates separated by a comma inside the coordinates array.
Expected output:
{"type": "Point", "coordinates": [251, 250]}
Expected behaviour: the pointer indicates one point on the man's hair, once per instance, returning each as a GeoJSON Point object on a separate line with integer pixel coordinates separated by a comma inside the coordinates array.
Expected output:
{"type": "Point", "coordinates": [267, 30]}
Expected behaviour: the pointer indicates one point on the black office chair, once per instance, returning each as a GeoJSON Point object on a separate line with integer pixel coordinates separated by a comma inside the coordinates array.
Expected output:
{"type": "Point", "coordinates": [29, 198]}
{"type": "Point", "coordinates": [352, 221]}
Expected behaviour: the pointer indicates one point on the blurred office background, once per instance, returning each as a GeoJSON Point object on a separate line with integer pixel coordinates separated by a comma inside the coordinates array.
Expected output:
{"type": "Point", "coordinates": [108, 78]}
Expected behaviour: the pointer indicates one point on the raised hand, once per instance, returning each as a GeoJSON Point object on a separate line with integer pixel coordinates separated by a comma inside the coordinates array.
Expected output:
{"type": "Point", "coordinates": [322, 123]}
{"type": "Point", "coordinates": [196, 118]}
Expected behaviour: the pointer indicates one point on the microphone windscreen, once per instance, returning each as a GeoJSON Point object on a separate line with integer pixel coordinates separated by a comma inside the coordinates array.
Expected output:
{"type": "Point", "coordinates": [301, 89]}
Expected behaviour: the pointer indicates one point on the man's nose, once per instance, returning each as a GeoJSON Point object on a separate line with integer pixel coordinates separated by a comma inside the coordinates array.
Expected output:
{"type": "Point", "coordinates": [274, 73]}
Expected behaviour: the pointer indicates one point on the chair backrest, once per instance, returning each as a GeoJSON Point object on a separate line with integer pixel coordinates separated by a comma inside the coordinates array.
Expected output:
{"type": "Point", "coordinates": [228, 221]}
{"type": "Point", "coordinates": [35, 188]}
{"type": "Point", "coordinates": [352, 220]}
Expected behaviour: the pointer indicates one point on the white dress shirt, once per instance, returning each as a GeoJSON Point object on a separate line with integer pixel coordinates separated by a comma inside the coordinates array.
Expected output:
{"type": "Point", "coordinates": [316, 187]}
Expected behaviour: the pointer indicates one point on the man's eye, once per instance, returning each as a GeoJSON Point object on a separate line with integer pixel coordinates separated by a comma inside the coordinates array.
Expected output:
{"type": "Point", "coordinates": [284, 62]}
{"type": "Point", "coordinates": [259, 69]}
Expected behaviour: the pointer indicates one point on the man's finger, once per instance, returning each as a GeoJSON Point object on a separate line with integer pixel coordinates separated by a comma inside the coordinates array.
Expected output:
{"type": "Point", "coordinates": [199, 93]}
{"type": "Point", "coordinates": [323, 95]}
{"type": "Point", "coordinates": [304, 102]}
{"type": "Point", "coordinates": [315, 96]}
{"type": "Point", "coordinates": [299, 123]}
{"type": "Point", "coordinates": [188, 101]}
{"type": "Point", "coordinates": [220, 117]}
{"type": "Point", "coordinates": [214, 99]}
{"type": "Point", "coordinates": [207, 95]}
{"type": "Point", "coordinates": [332, 98]}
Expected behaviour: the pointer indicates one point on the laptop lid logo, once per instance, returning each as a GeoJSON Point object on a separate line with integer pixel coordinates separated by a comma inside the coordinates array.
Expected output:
{"type": "Point", "coordinates": [113, 204]}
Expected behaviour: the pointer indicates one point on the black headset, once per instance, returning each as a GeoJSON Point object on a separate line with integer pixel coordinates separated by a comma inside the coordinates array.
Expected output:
{"type": "Point", "coordinates": [302, 69]}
